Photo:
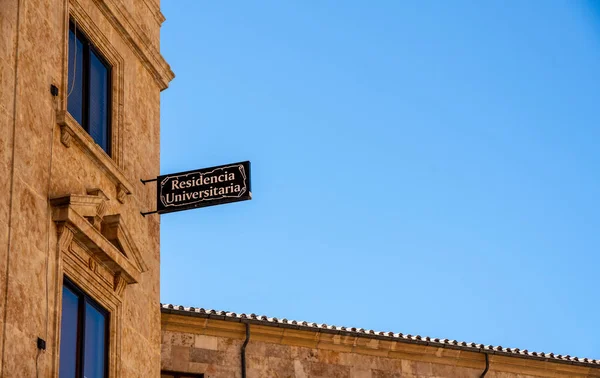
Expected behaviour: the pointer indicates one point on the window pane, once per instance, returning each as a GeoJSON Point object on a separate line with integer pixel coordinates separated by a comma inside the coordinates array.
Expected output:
{"type": "Point", "coordinates": [95, 343]}
{"type": "Point", "coordinates": [68, 334]}
{"type": "Point", "coordinates": [75, 82]}
{"type": "Point", "coordinates": [98, 126]}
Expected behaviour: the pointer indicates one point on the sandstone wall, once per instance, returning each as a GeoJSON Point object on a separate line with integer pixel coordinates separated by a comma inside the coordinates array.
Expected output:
{"type": "Point", "coordinates": [213, 347]}
{"type": "Point", "coordinates": [39, 161]}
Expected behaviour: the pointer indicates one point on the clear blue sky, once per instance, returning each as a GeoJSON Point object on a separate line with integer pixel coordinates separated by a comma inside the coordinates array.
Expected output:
{"type": "Point", "coordinates": [425, 167]}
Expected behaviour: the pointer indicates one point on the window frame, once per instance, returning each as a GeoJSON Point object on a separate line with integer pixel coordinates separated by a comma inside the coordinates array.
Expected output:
{"type": "Point", "coordinates": [89, 46]}
{"type": "Point", "coordinates": [83, 299]}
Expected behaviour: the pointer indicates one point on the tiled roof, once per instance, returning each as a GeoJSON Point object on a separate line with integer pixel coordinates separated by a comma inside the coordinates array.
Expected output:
{"type": "Point", "coordinates": [368, 333]}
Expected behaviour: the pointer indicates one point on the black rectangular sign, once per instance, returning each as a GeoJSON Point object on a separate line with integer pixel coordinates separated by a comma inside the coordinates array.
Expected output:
{"type": "Point", "coordinates": [203, 187]}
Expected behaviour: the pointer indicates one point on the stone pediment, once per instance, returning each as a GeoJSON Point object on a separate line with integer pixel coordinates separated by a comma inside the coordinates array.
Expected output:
{"type": "Point", "coordinates": [113, 229]}
{"type": "Point", "coordinates": [105, 241]}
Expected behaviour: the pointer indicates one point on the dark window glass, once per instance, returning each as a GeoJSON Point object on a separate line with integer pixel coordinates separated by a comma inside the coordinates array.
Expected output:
{"type": "Point", "coordinates": [95, 333]}
{"type": "Point", "coordinates": [75, 88]}
{"type": "Point", "coordinates": [88, 99]}
{"type": "Point", "coordinates": [98, 103]}
{"type": "Point", "coordinates": [68, 334]}
{"type": "Point", "coordinates": [83, 340]}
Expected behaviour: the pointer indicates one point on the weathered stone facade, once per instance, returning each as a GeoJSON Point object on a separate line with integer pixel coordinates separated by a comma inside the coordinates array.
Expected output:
{"type": "Point", "coordinates": [67, 208]}
{"type": "Point", "coordinates": [211, 344]}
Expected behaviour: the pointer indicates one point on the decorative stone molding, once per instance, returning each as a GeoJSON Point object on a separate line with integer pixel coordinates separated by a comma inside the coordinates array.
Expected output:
{"type": "Point", "coordinates": [65, 235]}
{"type": "Point", "coordinates": [74, 212]}
{"type": "Point", "coordinates": [98, 36]}
{"type": "Point", "coordinates": [155, 9]}
{"type": "Point", "coordinates": [122, 193]}
{"type": "Point", "coordinates": [114, 230]}
{"type": "Point", "coordinates": [93, 265]}
{"type": "Point", "coordinates": [84, 141]}
{"type": "Point", "coordinates": [101, 209]}
{"type": "Point", "coordinates": [119, 284]}
{"type": "Point", "coordinates": [65, 136]}
{"type": "Point", "coordinates": [137, 40]}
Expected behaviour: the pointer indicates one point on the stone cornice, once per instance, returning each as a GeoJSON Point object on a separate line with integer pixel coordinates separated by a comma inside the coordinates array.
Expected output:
{"type": "Point", "coordinates": [113, 228]}
{"type": "Point", "coordinates": [138, 41]}
{"type": "Point", "coordinates": [65, 214]}
{"type": "Point", "coordinates": [342, 341]}
{"type": "Point", "coordinates": [155, 9]}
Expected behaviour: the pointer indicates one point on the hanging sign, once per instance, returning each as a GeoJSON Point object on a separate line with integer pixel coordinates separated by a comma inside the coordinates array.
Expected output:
{"type": "Point", "coordinates": [203, 187]}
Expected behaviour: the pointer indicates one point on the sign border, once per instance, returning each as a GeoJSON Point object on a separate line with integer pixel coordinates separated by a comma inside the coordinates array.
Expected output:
{"type": "Point", "coordinates": [201, 204]}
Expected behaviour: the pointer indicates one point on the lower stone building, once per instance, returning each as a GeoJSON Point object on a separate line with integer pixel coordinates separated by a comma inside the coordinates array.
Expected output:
{"type": "Point", "coordinates": [198, 343]}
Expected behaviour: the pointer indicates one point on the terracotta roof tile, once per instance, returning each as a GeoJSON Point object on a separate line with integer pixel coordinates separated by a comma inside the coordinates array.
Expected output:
{"type": "Point", "coordinates": [264, 320]}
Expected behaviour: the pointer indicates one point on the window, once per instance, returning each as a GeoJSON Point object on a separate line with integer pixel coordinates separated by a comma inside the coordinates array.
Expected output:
{"type": "Point", "coordinates": [89, 88]}
{"type": "Point", "coordinates": [170, 374]}
{"type": "Point", "coordinates": [83, 337]}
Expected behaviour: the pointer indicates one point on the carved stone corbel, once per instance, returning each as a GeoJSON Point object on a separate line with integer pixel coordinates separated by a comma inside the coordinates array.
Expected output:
{"type": "Point", "coordinates": [65, 235]}
{"type": "Point", "coordinates": [65, 136]}
{"type": "Point", "coordinates": [119, 284]}
{"type": "Point", "coordinates": [122, 193]}
{"type": "Point", "coordinates": [101, 208]}
{"type": "Point", "coordinates": [93, 264]}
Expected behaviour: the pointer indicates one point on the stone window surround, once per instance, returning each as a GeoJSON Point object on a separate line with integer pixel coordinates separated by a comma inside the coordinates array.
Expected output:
{"type": "Point", "coordinates": [70, 265]}
{"type": "Point", "coordinates": [96, 252]}
{"type": "Point", "coordinates": [71, 132]}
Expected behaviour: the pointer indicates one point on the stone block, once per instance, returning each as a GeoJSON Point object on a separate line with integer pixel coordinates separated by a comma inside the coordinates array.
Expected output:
{"type": "Point", "coordinates": [423, 368]}
{"type": "Point", "coordinates": [8, 22]}
{"type": "Point", "coordinates": [376, 373]}
{"type": "Point", "coordinates": [304, 354]}
{"type": "Point", "coordinates": [439, 370]}
{"type": "Point", "coordinates": [279, 367]}
{"type": "Point", "coordinates": [26, 300]}
{"type": "Point", "coordinates": [328, 356]}
{"type": "Point", "coordinates": [206, 356]}
{"type": "Point", "coordinates": [197, 367]}
{"type": "Point", "coordinates": [178, 339]}
{"type": "Point", "coordinates": [206, 342]}
{"type": "Point", "coordinates": [30, 214]}
{"type": "Point", "coordinates": [19, 353]}
{"type": "Point", "coordinates": [180, 358]}
{"type": "Point", "coordinates": [409, 367]}
{"type": "Point", "coordinates": [5, 158]}
{"type": "Point", "coordinates": [7, 77]}
{"type": "Point", "coordinates": [301, 369]}
{"type": "Point", "coordinates": [268, 349]}
{"type": "Point", "coordinates": [165, 353]}
{"type": "Point", "coordinates": [320, 369]}
{"type": "Point", "coordinates": [229, 346]}
{"type": "Point", "coordinates": [360, 373]}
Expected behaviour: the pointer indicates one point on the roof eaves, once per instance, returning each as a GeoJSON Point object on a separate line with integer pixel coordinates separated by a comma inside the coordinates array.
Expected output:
{"type": "Point", "coordinates": [389, 336]}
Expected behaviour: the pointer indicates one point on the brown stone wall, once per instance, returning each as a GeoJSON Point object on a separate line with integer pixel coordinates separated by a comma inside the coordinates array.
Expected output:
{"type": "Point", "coordinates": [213, 347]}
{"type": "Point", "coordinates": [38, 162]}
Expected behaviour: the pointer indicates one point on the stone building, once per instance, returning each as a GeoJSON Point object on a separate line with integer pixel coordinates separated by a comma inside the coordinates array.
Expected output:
{"type": "Point", "coordinates": [80, 82]}
{"type": "Point", "coordinates": [79, 265]}
{"type": "Point", "coordinates": [212, 344]}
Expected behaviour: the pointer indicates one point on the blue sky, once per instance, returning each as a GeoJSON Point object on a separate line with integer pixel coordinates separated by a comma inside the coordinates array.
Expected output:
{"type": "Point", "coordinates": [420, 167]}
